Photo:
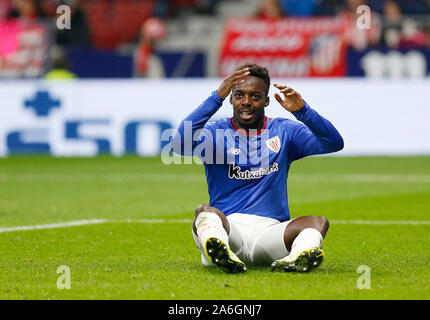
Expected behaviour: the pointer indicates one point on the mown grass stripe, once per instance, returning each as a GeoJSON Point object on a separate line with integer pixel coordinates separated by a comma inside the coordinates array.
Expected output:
{"type": "Point", "coordinates": [193, 177]}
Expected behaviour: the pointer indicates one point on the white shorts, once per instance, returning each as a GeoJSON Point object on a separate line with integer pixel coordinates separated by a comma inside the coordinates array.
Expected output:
{"type": "Point", "coordinates": [254, 239]}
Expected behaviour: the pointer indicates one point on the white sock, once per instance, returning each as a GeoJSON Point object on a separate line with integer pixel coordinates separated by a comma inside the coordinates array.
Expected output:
{"type": "Point", "coordinates": [307, 239]}
{"type": "Point", "coordinates": [209, 225]}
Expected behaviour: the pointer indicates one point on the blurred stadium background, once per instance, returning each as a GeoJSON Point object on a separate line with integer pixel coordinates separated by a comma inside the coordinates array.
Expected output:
{"type": "Point", "coordinates": [205, 38]}
{"type": "Point", "coordinates": [187, 45]}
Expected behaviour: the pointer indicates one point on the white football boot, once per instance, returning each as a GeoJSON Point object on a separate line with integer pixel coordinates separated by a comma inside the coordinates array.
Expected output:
{"type": "Point", "coordinates": [303, 261]}
{"type": "Point", "coordinates": [221, 256]}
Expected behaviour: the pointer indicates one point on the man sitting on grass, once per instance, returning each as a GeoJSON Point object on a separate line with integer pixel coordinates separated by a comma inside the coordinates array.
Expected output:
{"type": "Point", "coordinates": [247, 220]}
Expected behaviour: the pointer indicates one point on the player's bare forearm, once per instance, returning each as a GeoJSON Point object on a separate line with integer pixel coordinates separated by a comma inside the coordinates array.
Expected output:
{"type": "Point", "coordinates": [232, 80]}
{"type": "Point", "coordinates": [292, 99]}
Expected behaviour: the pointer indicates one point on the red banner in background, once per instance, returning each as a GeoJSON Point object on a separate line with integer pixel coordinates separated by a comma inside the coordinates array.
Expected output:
{"type": "Point", "coordinates": [290, 47]}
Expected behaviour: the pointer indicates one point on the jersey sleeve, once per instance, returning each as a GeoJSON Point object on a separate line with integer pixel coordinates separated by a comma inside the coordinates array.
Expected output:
{"type": "Point", "coordinates": [315, 135]}
{"type": "Point", "coordinates": [191, 131]}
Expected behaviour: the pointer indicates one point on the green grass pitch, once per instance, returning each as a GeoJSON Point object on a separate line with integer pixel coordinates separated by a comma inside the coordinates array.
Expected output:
{"type": "Point", "coordinates": [141, 245]}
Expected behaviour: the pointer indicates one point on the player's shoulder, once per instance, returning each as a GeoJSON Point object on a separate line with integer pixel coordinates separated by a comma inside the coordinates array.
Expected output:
{"type": "Point", "coordinates": [220, 123]}
{"type": "Point", "coordinates": [283, 122]}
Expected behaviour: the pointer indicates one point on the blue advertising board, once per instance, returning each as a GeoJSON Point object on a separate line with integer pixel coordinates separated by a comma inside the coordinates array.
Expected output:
{"type": "Point", "coordinates": [378, 62]}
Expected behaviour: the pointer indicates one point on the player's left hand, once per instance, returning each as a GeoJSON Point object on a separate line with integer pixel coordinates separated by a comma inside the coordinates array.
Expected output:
{"type": "Point", "coordinates": [292, 100]}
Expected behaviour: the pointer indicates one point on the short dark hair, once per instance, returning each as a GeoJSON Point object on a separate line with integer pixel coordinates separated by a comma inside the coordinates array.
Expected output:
{"type": "Point", "coordinates": [257, 71]}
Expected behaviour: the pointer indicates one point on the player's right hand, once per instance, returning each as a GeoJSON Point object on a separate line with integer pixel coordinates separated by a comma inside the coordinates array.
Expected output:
{"type": "Point", "coordinates": [232, 80]}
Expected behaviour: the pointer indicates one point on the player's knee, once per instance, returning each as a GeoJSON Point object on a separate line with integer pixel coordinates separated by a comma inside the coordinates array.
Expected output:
{"type": "Point", "coordinates": [324, 224]}
{"type": "Point", "coordinates": [201, 208]}
{"type": "Point", "coordinates": [206, 208]}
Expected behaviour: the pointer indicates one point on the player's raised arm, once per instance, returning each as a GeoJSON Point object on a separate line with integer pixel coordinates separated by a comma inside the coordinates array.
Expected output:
{"type": "Point", "coordinates": [317, 136]}
{"type": "Point", "coordinates": [198, 118]}
{"type": "Point", "coordinates": [232, 80]}
{"type": "Point", "coordinates": [292, 101]}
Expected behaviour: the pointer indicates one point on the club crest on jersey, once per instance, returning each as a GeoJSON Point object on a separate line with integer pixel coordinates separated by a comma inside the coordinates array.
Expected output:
{"type": "Point", "coordinates": [274, 144]}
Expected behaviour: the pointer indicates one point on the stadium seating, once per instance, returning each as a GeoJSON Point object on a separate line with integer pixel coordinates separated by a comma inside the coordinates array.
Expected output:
{"type": "Point", "coordinates": [118, 22]}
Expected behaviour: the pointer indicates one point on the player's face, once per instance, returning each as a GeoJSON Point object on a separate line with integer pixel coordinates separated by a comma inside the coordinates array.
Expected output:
{"type": "Point", "coordinates": [249, 100]}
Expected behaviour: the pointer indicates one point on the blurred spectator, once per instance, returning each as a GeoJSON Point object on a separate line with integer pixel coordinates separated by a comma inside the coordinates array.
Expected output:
{"type": "Point", "coordinates": [26, 9]}
{"type": "Point", "coordinates": [377, 5]}
{"type": "Point", "coordinates": [269, 9]}
{"type": "Point", "coordinates": [32, 9]}
{"type": "Point", "coordinates": [414, 7]}
{"type": "Point", "coordinates": [49, 7]}
{"type": "Point", "coordinates": [411, 36]}
{"type": "Point", "coordinates": [207, 6]}
{"type": "Point", "coordinates": [60, 66]}
{"type": "Point", "coordinates": [5, 7]}
{"type": "Point", "coordinates": [298, 7]}
{"type": "Point", "coordinates": [79, 35]}
{"type": "Point", "coordinates": [399, 32]}
{"type": "Point", "coordinates": [326, 7]}
{"type": "Point", "coordinates": [161, 8]}
{"type": "Point", "coordinates": [147, 63]}
{"type": "Point", "coordinates": [408, 7]}
{"type": "Point", "coordinates": [392, 25]}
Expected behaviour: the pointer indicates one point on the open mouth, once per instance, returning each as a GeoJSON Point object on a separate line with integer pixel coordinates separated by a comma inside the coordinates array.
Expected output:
{"type": "Point", "coordinates": [245, 115]}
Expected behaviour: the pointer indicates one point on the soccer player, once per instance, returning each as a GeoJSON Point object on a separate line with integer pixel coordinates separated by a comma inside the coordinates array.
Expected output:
{"type": "Point", "coordinates": [247, 158]}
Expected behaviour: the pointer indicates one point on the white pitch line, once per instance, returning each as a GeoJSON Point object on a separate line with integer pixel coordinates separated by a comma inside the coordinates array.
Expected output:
{"type": "Point", "coordinates": [160, 221]}
{"type": "Point", "coordinates": [110, 177]}
{"type": "Point", "coordinates": [362, 178]}
{"type": "Point", "coordinates": [381, 222]}
{"type": "Point", "coordinates": [151, 221]}
{"type": "Point", "coordinates": [55, 225]}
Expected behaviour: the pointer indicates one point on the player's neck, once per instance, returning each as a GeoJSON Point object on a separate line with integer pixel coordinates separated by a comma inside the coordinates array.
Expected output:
{"type": "Point", "coordinates": [260, 125]}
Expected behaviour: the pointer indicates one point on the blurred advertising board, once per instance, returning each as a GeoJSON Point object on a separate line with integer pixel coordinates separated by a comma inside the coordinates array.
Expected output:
{"type": "Point", "coordinates": [117, 117]}
{"type": "Point", "coordinates": [290, 47]}
{"type": "Point", "coordinates": [23, 49]}
{"type": "Point", "coordinates": [389, 63]}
